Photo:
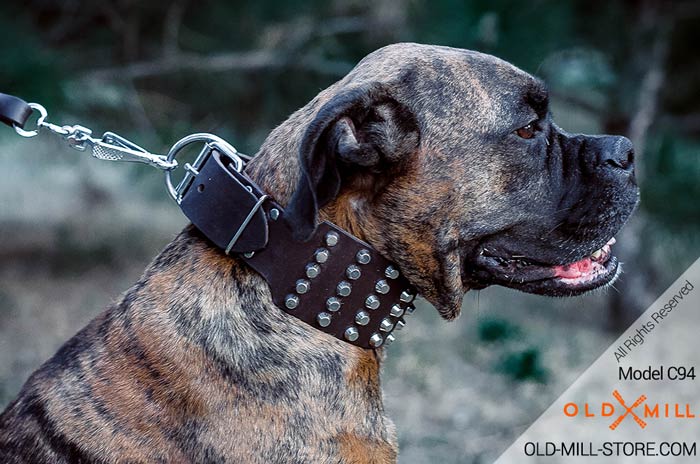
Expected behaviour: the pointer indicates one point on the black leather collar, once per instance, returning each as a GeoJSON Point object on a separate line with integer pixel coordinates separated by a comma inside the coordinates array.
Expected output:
{"type": "Point", "coordinates": [334, 281]}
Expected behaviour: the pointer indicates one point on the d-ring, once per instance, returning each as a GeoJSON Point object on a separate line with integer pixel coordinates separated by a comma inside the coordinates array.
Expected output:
{"type": "Point", "coordinates": [39, 122]}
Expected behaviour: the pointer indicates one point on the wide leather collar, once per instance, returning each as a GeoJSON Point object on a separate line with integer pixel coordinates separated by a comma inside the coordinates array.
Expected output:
{"type": "Point", "coordinates": [334, 282]}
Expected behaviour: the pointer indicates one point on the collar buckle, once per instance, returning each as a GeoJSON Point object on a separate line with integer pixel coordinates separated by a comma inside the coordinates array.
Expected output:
{"type": "Point", "coordinates": [211, 143]}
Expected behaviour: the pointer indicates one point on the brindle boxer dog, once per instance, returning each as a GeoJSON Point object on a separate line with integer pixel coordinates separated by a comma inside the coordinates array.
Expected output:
{"type": "Point", "coordinates": [445, 160]}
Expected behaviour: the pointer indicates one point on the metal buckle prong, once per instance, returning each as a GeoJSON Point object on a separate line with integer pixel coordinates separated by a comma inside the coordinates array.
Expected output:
{"type": "Point", "coordinates": [191, 172]}
{"type": "Point", "coordinates": [189, 168]}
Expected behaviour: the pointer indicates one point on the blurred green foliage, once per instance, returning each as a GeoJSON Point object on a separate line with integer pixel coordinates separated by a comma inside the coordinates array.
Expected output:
{"type": "Point", "coordinates": [524, 365]}
{"type": "Point", "coordinates": [594, 59]}
{"type": "Point", "coordinates": [673, 192]}
{"type": "Point", "coordinates": [518, 359]}
{"type": "Point", "coordinates": [496, 330]}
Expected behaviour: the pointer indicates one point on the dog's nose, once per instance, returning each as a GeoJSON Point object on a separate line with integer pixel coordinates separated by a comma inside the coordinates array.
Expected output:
{"type": "Point", "coordinates": [616, 153]}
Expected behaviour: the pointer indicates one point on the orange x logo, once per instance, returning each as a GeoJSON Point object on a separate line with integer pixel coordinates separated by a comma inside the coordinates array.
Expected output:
{"type": "Point", "coordinates": [628, 410]}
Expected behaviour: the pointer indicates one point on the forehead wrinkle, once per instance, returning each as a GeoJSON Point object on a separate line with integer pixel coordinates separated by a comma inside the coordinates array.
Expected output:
{"type": "Point", "coordinates": [480, 94]}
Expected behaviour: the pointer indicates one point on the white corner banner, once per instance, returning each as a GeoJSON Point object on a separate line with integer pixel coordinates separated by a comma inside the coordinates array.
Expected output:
{"type": "Point", "coordinates": [640, 400]}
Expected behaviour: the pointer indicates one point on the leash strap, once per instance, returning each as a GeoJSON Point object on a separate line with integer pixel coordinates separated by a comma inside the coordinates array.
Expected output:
{"type": "Point", "coordinates": [334, 282]}
{"type": "Point", "coordinates": [14, 111]}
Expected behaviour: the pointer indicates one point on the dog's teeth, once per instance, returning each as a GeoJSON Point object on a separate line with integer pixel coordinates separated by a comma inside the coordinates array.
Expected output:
{"type": "Point", "coordinates": [597, 254]}
{"type": "Point", "coordinates": [612, 241]}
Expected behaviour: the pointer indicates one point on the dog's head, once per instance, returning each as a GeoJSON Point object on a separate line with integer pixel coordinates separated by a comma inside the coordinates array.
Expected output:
{"type": "Point", "coordinates": [447, 162]}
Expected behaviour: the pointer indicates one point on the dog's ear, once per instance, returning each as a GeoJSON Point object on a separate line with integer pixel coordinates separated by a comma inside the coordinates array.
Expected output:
{"type": "Point", "coordinates": [362, 128]}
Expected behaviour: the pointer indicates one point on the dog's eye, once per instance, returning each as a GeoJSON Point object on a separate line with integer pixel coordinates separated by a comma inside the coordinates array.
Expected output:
{"type": "Point", "coordinates": [526, 132]}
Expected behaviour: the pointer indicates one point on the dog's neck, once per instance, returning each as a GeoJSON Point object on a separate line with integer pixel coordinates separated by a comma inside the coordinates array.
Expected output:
{"type": "Point", "coordinates": [194, 301]}
{"type": "Point", "coordinates": [225, 305]}
{"type": "Point", "coordinates": [223, 297]}
{"type": "Point", "coordinates": [275, 170]}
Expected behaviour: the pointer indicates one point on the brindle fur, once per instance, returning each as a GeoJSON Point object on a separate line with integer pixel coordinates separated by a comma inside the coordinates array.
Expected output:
{"type": "Point", "coordinates": [196, 363]}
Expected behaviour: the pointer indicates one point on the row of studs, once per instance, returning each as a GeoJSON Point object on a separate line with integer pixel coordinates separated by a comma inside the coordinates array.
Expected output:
{"type": "Point", "coordinates": [400, 323]}
{"type": "Point", "coordinates": [344, 289]}
{"type": "Point", "coordinates": [376, 339]}
{"type": "Point", "coordinates": [313, 270]}
{"type": "Point", "coordinates": [386, 325]}
{"type": "Point", "coordinates": [362, 316]}
{"type": "Point", "coordinates": [372, 302]}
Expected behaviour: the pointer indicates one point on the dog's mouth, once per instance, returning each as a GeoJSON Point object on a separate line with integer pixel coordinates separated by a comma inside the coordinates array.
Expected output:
{"type": "Point", "coordinates": [524, 273]}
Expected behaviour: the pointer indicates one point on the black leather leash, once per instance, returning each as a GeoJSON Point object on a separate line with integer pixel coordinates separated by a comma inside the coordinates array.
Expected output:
{"type": "Point", "coordinates": [334, 282]}
{"type": "Point", "coordinates": [14, 111]}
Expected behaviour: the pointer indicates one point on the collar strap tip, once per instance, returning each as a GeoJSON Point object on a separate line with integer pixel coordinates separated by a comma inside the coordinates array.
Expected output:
{"type": "Point", "coordinates": [227, 207]}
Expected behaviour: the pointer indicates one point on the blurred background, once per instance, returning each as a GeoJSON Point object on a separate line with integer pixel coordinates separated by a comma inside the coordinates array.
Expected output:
{"type": "Point", "coordinates": [76, 232]}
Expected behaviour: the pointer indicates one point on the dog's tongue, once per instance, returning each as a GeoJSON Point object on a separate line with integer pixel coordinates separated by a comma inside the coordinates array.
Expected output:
{"type": "Point", "coordinates": [587, 266]}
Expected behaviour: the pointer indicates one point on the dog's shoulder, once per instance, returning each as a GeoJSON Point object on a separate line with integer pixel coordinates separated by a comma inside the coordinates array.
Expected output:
{"type": "Point", "coordinates": [33, 426]}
